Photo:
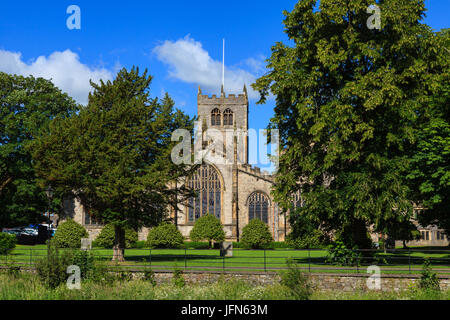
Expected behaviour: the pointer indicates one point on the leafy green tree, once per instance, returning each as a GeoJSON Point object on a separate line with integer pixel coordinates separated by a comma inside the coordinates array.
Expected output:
{"type": "Point", "coordinates": [349, 101]}
{"type": "Point", "coordinates": [208, 228]}
{"type": "Point", "coordinates": [69, 234]}
{"type": "Point", "coordinates": [394, 229]}
{"type": "Point", "coordinates": [429, 280]}
{"type": "Point", "coordinates": [106, 237]}
{"type": "Point", "coordinates": [115, 155]}
{"type": "Point", "coordinates": [299, 285]}
{"type": "Point", "coordinates": [404, 232]}
{"type": "Point", "coordinates": [256, 235]}
{"type": "Point", "coordinates": [338, 253]}
{"type": "Point", "coordinates": [7, 242]}
{"type": "Point", "coordinates": [27, 105]}
{"type": "Point", "coordinates": [52, 268]}
{"type": "Point", "coordinates": [305, 233]}
{"type": "Point", "coordinates": [429, 175]}
{"type": "Point", "coordinates": [165, 235]}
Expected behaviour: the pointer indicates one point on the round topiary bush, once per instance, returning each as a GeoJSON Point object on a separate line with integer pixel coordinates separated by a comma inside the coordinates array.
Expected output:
{"type": "Point", "coordinates": [106, 237]}
{"type": "Point", "coordinates": [256, 235]}
{"type": "Point", "coordinates": [7, 242]}
{"type": "Point", "coordinates": [165, 235]}
{"type": "Point", "coordinates": [208, 228]}
{"type": "Point", "coordinates": [69, 234]}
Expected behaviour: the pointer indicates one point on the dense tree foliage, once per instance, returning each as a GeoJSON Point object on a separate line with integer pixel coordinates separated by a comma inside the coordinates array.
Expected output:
{"type": "Point", "coordinates": [207, 228]}
{"type": "Point", "coordinates": [350, 102]}
{"type": "Point", "coordinates": [69, 235]}
{"type": "Point", "coordinates": [115, 154]}
{"type": "Point", "coordinates": [27, 105]}
{"type": "Point", "coordinates": [165, 235]}
{"type": "Point", "coordinates": [106, 237]}
{"type": "Point", "coordinates": [429, 175]}
{"type": "Point", "coordinates": [256, 235]}
{"type": "Point", "coordinates": [7, 242]}
{"type": "Point", "coordinates": [305, 233]}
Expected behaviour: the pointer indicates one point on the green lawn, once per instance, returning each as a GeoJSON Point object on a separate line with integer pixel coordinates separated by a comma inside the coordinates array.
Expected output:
{"type": "Point", "coordinates": [400, 261]}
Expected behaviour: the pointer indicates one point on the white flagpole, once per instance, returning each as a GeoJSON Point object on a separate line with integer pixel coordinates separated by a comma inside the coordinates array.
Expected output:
{"type": "Point", "coordinates": [223, 65]}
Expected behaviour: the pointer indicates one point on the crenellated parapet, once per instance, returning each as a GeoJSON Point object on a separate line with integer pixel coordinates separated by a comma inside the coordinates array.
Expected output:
{"type": "Point", "coordinates": [223, 99]}
{"type": "Point", "coordinates": [255, 171]}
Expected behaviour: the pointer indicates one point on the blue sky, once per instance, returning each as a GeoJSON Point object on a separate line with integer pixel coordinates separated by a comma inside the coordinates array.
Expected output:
{"type": "Point", "coordinates": [178, 41]}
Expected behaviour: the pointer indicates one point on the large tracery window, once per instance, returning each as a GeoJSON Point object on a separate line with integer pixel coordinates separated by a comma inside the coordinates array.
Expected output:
{"type": "Point", "coordinates": [258, 207]}
{"type": "Point", "coordinates": [228, 118]}
{"type": "Point", "coordinates": [215, 117]}
{"type": "Point", "coordinates": [209, 193]}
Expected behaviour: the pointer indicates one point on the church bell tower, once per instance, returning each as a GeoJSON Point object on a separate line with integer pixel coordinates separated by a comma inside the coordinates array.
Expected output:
{"type": "Point", "coordinates": [226, 114]}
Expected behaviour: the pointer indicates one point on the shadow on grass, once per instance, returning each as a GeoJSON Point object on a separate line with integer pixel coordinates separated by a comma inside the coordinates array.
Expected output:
{"type": "Point", "coordinates": [170, 258]}
{"type": "Point", "coordinates": [381, 260]}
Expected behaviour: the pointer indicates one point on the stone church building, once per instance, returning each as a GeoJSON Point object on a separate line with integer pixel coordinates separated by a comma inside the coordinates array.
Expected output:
{"type": "Point", "coordinates": [234, 192]}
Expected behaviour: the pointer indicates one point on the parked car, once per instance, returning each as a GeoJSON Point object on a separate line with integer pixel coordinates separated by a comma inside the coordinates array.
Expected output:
{"type": "Point", "coordinates": [15, 231]}
{"type": "Point", "coordinates": [32, 234]}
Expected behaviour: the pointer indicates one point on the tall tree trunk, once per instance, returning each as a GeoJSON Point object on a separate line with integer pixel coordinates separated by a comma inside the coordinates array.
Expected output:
{"type": "Point", "coordinates": [355, 233]}
{"type": "Point", "coordinates": [119, 244]}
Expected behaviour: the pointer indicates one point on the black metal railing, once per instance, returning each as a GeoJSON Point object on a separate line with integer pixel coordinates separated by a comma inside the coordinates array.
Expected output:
{"type": "Point", "coordinates": [393, 261]}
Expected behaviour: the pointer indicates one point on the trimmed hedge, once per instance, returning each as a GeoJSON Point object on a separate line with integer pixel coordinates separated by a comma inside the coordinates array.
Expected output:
{"type": "Point", "coordinates": [140, 245]}
{"type": "Point", "coordinates": [69, 234]}
{"type": "Point", "coordinates": [7, 242]}
{"type": "Point", "coordinates": [106, 237]}
{"type": "Point", "coordinates": [208, 228]}
{"type": "Point", "coordinates": [165, 236]}
{"type": "Point", "coordinates": [256, 235]}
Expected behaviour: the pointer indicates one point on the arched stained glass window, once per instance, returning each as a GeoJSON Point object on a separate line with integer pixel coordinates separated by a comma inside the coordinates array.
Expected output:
{"type": "Point", "coordinates": [228, 118]}
{"type": "Point", "coordinates": [215, 117]}
{"type": "Point", "coordinates": [258, 207]}
{"type": "Point", "coordinates": [90, 220]}
{"type": "Point", "coordinates": [207, 184]}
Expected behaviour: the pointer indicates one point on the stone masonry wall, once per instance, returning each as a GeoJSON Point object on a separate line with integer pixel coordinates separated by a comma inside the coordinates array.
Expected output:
{"type": "Point", "coordinates": [321, 282]}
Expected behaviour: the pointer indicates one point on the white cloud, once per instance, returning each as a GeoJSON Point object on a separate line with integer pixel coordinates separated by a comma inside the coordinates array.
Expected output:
{"type": "Point", "coordinates": [257, 65]}
{"type": "Point", "coordinates": [190, 63]}
{"type": "Point", "coordinates": [63, 68]}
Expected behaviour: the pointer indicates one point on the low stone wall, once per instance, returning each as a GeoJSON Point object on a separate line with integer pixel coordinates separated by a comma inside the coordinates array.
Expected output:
{"type": "Point", "coordinates": [322, 282]}
{"type": "Point", "coordinates": [208, 278]}
{"type": "Point", "coordinates": [355, 282]}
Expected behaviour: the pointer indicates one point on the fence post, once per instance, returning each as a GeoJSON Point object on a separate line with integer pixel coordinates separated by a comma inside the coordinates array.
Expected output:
{"type": "Point", "coordinates": [309, 260]}
{"type": "Point", "coordinates": [409, 260]}
{"type": "Point", "coordinates": [265, 268]}
{"type": "Point", "coordinates": [357, 261]}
